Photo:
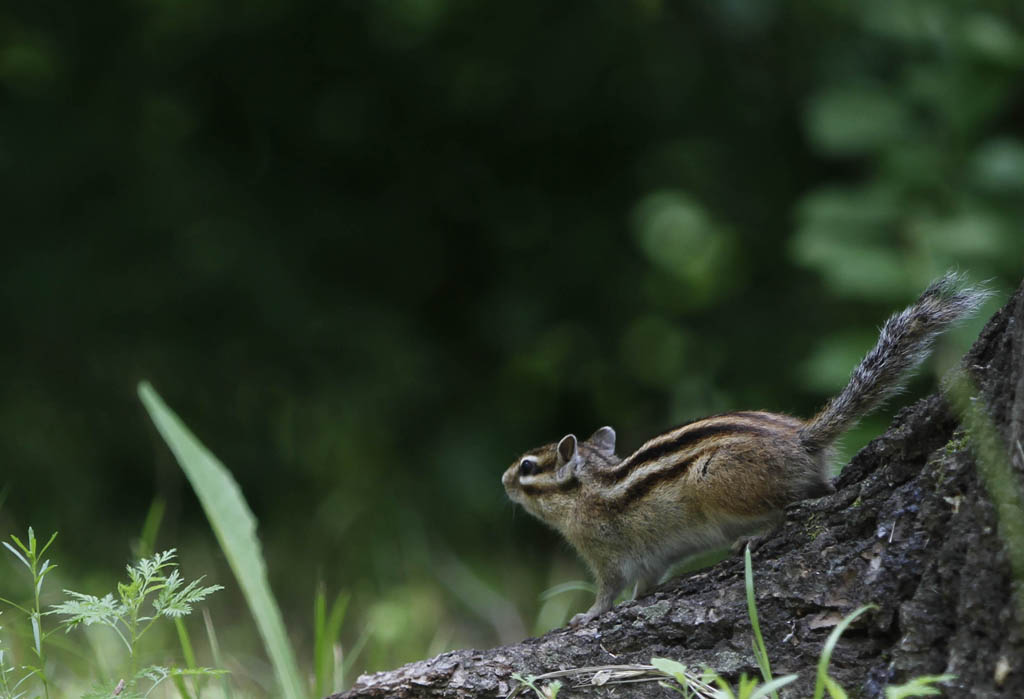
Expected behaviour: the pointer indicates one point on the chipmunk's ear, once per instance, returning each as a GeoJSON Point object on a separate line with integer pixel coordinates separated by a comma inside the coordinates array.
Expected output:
{"type": "Point", "coordinates": [566, 450]}
{"type": "Point", "coordinates": [603, 440]}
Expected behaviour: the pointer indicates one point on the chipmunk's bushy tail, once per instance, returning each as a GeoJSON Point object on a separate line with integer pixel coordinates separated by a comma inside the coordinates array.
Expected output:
{"type": "Point", "coordinates": [905, 341]}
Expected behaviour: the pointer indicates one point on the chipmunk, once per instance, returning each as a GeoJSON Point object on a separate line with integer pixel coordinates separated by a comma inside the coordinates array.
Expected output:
{"type": "Point", "coordinates": [706, 483]}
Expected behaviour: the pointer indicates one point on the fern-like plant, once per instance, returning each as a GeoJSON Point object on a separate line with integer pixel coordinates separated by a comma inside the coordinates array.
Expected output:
{"type": "Point", "coordinates": [155, 581]}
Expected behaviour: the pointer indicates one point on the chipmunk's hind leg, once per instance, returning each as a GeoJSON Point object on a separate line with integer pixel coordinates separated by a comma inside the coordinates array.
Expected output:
{"type": "Point", "coordinates": [817, 488]}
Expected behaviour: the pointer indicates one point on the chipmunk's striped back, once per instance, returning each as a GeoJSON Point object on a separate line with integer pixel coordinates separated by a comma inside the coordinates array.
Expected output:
{"type": "Point", "coordinates": [675, 453]}
{"type": "Point", "coordinates": [690, 439]}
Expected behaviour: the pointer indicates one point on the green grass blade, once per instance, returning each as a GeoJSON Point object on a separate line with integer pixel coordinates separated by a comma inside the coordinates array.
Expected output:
{"type": "Point", "coordinates": [772, 688]}
{"type": "Point", "coordinates": [211, 635]}
{"type": "Point", "coordinates": [917, 687]}
{"type": "Point", "coordinates": [760, 651]}
{"type": "Point", "coordinates": [320, 674]}
{"type": "Point", "coordinates": [326, 629]}
{"type": "Point", "coordinates": [179, 684]}
{"type": "Point", "coordinates": [830, 645]}
{"type": "Point", "coordinates": [188, 654]}
{"type": "Point", "coordinates": [835, 690]}
{"type": "Point", "coordinates": [235, 528]}
{"type": "Point", "coordinates": [150, 528]}
{"type": "Point", "coordinates": [571, 586]}
{"type": "Point", "coordinates": [349, 659]}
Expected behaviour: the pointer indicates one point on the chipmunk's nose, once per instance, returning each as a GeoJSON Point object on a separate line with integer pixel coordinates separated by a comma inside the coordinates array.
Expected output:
{"type": "Point", "coordinates": [508, 480]}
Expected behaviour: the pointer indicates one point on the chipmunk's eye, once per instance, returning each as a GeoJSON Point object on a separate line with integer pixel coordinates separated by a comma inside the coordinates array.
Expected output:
{"type": "Point", "coordinates": [527, 467]}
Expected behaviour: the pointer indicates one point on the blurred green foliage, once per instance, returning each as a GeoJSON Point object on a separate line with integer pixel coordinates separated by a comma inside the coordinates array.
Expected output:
{"type": "Point", "coordinates": [371, 251]}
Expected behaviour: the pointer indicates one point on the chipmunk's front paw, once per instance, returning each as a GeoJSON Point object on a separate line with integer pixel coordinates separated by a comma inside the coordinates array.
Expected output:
{"type": "Point", "coordinates": [754, 542]}
{"type": "Point", "coordinates": [583, 618]}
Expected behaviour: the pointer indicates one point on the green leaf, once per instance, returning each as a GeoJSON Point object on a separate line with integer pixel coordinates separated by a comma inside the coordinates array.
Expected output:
{"type": "Point", "coordinates": [44, 569]}
{"type": "Point", "coordinates": [43, 550]}
{"type": "Point", "coordinates": [917, 687]}
{"type": "Point", "coordinates": [746, 686]}
{"type": "Point", "coordinates": [725, 690]}
{"type": "Point", "coordinates": [830, 645]}
{"type": "Point", "coordinates": [856, 120]}
{"type": "Point", "coordinates": [89, 609]}
{"type": "Point", "coordinates": [173, 602]}
{"type": "Point", "coordinates": [672, 668]}
{"type": "Point", "coordinates": [25, 549]}
{"type": "Point", "coordinates": [16, 553]}
{"type": "Point", "coordinates": [36, 634]}
{"type": "Point", "coordinates": [235, 528]}
{"type": "Point", "coordinates": [769, 688]}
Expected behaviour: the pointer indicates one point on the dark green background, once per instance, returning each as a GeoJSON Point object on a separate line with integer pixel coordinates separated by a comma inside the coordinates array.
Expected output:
{"type": "Point", "coordinates": [370, 251]}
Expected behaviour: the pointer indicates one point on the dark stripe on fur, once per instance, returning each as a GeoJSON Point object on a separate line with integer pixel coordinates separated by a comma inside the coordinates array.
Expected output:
{"type": "Point", "coordinates": [556, 487]}
{"type": "Point", "coordinates": [692, 435]}
{"type": "Point", "coordinates": [636, 491]}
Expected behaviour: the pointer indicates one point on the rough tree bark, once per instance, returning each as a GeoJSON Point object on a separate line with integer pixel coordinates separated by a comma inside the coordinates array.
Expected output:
{"type": "Point", "coordinates": [912, 528]}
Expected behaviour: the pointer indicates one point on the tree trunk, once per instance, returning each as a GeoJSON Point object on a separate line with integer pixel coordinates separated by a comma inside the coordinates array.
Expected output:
{"type": "Point", "coordinates": [917, 527]}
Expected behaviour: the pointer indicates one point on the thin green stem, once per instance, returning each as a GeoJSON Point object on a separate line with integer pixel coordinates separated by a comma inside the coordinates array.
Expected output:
{"type": "Point", "coordinates": [122, 637]}
{"type": "Point", "coordinates": [134, 637]}
{"type": "Point", "coordinates": [146, 627]}
{"type": "Point", "coordinates": [21, 609]}
{"type": "Point", "coordinates": [37, 613]}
